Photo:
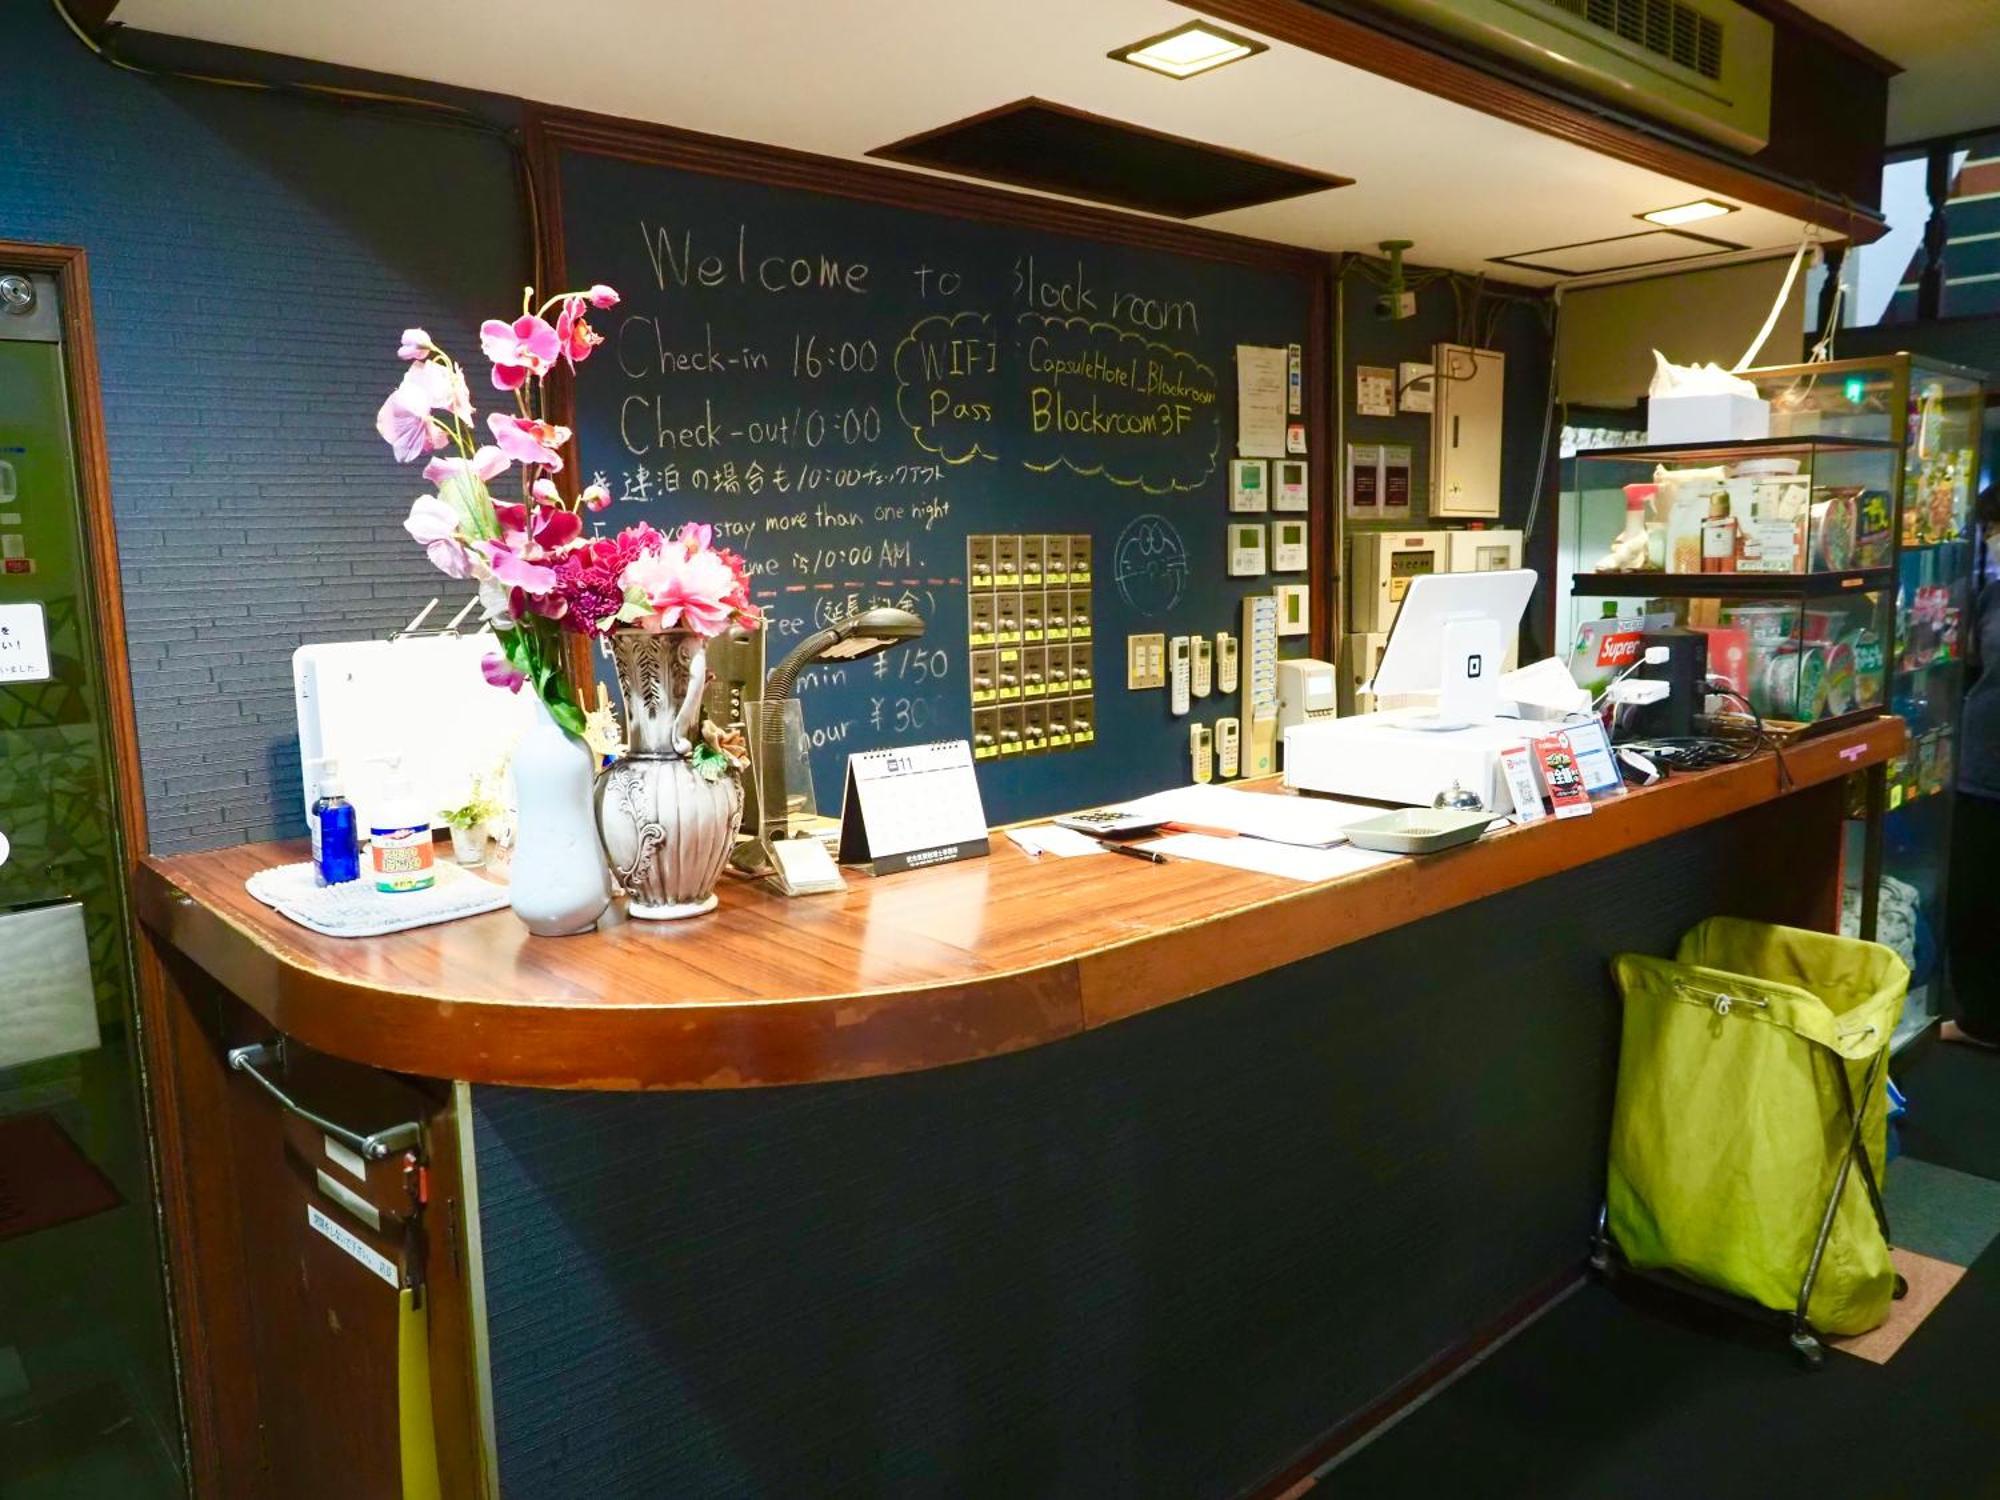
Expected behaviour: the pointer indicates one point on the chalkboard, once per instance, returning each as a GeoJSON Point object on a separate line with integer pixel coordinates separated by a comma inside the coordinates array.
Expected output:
{"type": "Point", "coordinates": [849, 390]}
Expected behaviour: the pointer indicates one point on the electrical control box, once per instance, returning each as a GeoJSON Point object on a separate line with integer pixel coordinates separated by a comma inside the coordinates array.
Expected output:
{"type": "Point", "coordinates": [1496, 550]}
{"type": "Point", "coordinates": [1289, 551]}
{"type": "Point", "coordinates": [1249, 484]}
{"type": "Point", "coordinates": [1289, 487]}
{"type": "Point", "coordinates": [1380, 565]}
{"type": "Point", "coordinates": [1465, 431]}
{"type": "Point", "coordinates": [1308, 691]}
{"type": "Point", "coordinates": [1246, 549]}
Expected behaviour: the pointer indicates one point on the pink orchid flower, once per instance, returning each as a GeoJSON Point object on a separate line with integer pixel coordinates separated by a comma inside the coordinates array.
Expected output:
{"type": "Point", "coordinates": [575, 336]}
{"type": "Point", "coordinates": [484, 465]}
{"type": "Point", "coordinates": [550, 527]}
{"type": "Point", "coordinates": [433, 525]}
{"type": "Point", "coordinates": [405, 421]}
{"type": "Point", "coordinates": [416, 344]}
{"type": "Point", "coordinates": [501, 672]}
{"type": "Point", "coordinates": [601, 295]}
{"type": "Point", "coordinates": [595, 497]}
{"type": "Point", "coordinates": [527, 346]}
{"type": "Point", "coordinates": [528, 442]}
{"type": "Point", "coordinates": [508, 566]}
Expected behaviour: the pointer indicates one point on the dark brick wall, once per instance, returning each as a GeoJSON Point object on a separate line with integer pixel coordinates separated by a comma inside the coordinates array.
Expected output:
{"type": "Point", "coordinates": [252, 260]}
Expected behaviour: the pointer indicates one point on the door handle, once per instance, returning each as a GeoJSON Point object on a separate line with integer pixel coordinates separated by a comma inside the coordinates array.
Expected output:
{"type": "Point", "coordinates": [379, 1146]}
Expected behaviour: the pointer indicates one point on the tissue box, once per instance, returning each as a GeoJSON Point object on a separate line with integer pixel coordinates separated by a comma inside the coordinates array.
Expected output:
{"type": "Point", "coordinates": [1720, 418]}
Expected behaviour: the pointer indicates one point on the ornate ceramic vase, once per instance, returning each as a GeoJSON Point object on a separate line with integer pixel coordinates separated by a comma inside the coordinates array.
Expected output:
{"type": "Point", "coordinates": [667, 825]}
{"type": "Point", "coordinates": [557, 878]}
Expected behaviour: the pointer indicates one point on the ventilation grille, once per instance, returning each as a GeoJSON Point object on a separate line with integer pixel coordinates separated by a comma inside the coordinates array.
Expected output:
{"type": "Point", "coordinates": [1666, 28]}
{"type": "Point", "coordinates": [1035, 144]}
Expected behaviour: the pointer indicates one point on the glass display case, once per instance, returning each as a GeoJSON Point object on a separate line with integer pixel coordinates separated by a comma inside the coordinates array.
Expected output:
{"type": "Point", "coordinates": [1781, 550]}
{"type": "Point", "coordinates": [1933, 414]}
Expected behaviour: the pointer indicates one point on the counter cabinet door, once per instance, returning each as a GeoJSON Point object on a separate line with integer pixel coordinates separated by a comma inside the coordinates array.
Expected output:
{"type": "Point", "coordinates": [327, 1287]}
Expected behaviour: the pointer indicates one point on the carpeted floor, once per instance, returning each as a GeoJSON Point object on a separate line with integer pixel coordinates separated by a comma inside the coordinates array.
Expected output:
{"type": "Point", "coordinates": [1635, 1393]}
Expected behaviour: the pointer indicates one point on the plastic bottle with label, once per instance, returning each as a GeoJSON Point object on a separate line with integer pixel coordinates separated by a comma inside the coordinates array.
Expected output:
{"type": "Point", "coordinates": [402, 855]}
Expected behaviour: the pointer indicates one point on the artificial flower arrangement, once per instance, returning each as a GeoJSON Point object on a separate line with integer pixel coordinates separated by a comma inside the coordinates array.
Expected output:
{"type": "Point", "coordinates": [538, 575]}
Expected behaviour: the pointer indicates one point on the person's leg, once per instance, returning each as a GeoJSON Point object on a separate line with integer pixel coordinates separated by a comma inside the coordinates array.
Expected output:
{"type": "Point", "coordinates": [1972, 920]}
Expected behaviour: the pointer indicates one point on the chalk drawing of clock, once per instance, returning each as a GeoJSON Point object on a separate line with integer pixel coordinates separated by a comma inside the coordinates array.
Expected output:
{"type": "Point", "coordinates": [1150, 564]}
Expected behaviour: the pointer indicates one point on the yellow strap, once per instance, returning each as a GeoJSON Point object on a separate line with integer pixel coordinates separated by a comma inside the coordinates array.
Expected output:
{"type": "Point", "coordinates": [413, 1399]}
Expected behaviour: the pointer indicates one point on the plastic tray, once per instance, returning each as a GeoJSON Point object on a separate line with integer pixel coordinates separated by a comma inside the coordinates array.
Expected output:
{"type": "Point", "coordinates": [1418, 830]}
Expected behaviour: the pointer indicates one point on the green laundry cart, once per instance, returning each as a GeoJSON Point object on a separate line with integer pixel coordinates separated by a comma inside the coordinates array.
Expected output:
{"type": "Point", "coordinates": [1748, 1135]}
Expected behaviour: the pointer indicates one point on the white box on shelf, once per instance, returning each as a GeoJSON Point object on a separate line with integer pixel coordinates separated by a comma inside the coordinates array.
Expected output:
{"type": "Point", "coordinates": [1726, 417]}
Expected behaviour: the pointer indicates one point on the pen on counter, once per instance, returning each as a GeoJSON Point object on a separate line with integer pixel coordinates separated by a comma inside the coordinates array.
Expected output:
{"type": "Point", "coordinates": [1131, 851]}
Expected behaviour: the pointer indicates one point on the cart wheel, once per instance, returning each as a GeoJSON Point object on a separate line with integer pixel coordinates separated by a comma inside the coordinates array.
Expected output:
{"type": "Point", "coordinates": [1902, 1287]}
{"type": "Point", "coordinates": [1811, 1353]}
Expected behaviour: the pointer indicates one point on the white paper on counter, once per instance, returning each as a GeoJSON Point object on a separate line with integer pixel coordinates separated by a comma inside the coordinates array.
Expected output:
{"type": "Point", "coordinates": [1047, 838]}
{"type": "Point", "coordinates": [48, 1006]}
{"type": "Point", "coordinates": [1313, 822]}
{"type": "Point", "coordinates": [1262, 857]}
{"type": "Point", "coordinates": [1261, 373]}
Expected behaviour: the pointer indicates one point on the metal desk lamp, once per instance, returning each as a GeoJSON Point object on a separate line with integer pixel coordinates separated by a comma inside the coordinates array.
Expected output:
{"type": "Point", "coordinates": [854, 637]}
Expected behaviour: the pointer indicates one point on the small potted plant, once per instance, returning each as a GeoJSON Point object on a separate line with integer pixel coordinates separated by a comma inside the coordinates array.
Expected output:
{"type": "Point", "coordinates": [470, 823]}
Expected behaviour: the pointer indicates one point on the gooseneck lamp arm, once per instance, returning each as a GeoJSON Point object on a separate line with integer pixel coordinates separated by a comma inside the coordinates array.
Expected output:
{"type": "Point", "coordinates": [856, 636]}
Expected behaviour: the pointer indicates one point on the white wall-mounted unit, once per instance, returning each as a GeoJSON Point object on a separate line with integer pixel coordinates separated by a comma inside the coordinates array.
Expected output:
{"type": "Point", "coordinates": [1466, 419]}
{"type": "Point", "coordinates": [1704, 65]}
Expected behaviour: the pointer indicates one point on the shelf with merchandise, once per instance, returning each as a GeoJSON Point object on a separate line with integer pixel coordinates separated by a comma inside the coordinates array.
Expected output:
{"type": "Point", "coordinates": [1782, 551]}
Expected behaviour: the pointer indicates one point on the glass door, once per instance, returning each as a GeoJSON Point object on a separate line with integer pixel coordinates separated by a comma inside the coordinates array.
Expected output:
{"type": "Point", "coordinates": [87, 1392]}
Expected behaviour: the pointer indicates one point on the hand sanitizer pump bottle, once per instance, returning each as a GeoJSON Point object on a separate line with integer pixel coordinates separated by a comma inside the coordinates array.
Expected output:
{"type": "Point", "coordinates": [336, 840]}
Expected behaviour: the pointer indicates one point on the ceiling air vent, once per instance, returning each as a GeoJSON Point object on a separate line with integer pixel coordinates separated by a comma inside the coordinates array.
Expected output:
{"type": "Point", "coordinates": [1679, 33]}
{"type": "Point", "coordinates": [1033, 143]}
{"type": "Point", "coordinates": [1704, 65]}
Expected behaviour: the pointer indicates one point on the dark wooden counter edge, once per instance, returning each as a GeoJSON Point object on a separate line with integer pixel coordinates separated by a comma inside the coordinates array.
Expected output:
{"type": "Point", "coordinates": [828, 1037]}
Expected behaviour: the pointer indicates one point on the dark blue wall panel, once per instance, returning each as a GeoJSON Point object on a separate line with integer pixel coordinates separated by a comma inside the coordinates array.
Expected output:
{"type": "Point", "coordinates": [252, 260]}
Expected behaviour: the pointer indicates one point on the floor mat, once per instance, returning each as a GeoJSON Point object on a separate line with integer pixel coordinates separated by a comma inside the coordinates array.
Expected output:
{"type": "Point", "coordinates": [44, 1179]}
{"type": "Point", "coordinates": [1929, 1282]}
{"type": "Point", "coordinates": [1638, 1394]}
{"type": "Point", "coordinates": [1954, 1119]}
{"type": "Point", "coordinates": [1936, 1211]}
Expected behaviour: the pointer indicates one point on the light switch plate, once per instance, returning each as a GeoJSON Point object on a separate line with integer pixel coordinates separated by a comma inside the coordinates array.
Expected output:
{"type": "Point", "coordinates": [1145, 661]}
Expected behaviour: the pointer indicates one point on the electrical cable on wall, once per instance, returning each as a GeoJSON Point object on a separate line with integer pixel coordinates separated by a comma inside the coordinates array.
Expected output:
{"type": "Point", "coordinates": [407, 106]}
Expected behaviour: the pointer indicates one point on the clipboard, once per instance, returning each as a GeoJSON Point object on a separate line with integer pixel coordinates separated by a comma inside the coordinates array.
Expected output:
{"type": "Point", "coordinates": [911, 807]}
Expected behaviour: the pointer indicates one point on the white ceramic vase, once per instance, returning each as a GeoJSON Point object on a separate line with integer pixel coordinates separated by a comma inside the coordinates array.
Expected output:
{"type": "Point", "coordinates": [667, 828]}
{"type": "Point", "coordinates": [557, 877]}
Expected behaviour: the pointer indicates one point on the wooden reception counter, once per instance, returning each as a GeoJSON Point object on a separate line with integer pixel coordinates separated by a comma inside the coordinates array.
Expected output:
{"type": "Point", "coordinates": [1231, 1162]}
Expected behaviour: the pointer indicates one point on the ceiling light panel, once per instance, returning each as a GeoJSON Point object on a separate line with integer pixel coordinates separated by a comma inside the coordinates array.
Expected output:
{"type": "Point", "coordinates": [1689, 213]}
{"type": "Point", "coordinates": [1197, 47]}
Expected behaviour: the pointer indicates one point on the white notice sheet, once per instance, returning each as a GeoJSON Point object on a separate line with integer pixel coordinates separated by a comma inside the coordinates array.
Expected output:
{"type": "Point", "coordinates": [1260, 401]}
